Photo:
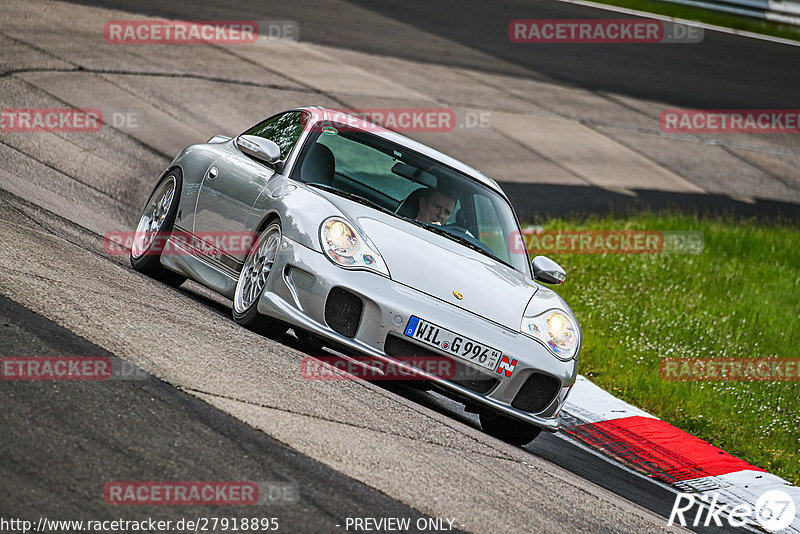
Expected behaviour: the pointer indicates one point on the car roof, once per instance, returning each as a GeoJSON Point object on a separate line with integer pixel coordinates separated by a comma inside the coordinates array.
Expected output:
{"type": "Point", "coordinates": [320, 113]}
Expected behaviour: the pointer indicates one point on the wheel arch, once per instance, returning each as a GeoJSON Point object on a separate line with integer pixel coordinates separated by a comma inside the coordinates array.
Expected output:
{"type": "Point", "coordinates": [164, 174]}
{"type": "Point", "coordinates": [267, 219]}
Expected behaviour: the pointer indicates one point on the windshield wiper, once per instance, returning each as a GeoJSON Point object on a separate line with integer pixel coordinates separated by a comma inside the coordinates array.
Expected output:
{"type": "Point", "coordinates": [352, 196]}
{"type": "Point", "coordinates": [458, 239]}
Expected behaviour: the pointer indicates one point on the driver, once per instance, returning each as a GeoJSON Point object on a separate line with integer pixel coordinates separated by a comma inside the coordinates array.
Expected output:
{"type": "Point", "coordinates": [435, 207]}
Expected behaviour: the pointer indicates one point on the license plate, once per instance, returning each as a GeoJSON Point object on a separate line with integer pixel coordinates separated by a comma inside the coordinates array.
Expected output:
{"type": "Point", "coordinates": [452, 343]}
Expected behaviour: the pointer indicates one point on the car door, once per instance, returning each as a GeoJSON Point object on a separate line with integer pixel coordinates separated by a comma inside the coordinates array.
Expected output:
{"type": "Point", "coordinates": [229, 189]}
{"type": "Point", "coordinates": [232, 183]}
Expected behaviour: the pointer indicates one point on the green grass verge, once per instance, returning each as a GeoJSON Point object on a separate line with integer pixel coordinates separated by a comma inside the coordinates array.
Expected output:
{"type": "Point", "coordinates": [709, 16]}
{"type": "Point", "coordinates": [739, 298]}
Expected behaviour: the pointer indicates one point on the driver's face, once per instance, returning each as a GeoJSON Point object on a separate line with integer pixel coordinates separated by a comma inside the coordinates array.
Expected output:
{"type": "Point", "coordinates": [436, 209]}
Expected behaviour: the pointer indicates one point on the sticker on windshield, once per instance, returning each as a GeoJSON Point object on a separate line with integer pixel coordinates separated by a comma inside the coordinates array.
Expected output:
{"type": "Point", "coordinates": [330, 130]}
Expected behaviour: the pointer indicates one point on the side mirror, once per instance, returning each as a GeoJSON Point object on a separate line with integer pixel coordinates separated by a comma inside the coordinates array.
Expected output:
{"type": "Point", "coordinates": [260, 148]}
{"type": "Point", "coordinates": [547, 271]}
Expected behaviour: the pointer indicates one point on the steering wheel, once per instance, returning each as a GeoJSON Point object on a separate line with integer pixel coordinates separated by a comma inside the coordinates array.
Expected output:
{"type": "Point", "coordinates": [466, 234]}
{"type": "Point", "coordinates": [455, 227]}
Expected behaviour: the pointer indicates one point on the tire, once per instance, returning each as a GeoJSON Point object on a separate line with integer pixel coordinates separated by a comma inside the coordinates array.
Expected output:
{"type": "Point", "coordinates": [156, 220]}
{"type": "Point", "coordinates": [507, 429]}
{"type": "Point", "coordinates": [252, 281]}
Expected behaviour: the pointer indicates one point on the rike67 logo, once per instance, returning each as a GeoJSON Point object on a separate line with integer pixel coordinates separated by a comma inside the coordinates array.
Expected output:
{"type": "Point", "coordinates": [774, 511]}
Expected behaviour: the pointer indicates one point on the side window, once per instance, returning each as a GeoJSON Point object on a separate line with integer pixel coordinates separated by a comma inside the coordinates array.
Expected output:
{"type": "Point", "coordinates": [284, 129]}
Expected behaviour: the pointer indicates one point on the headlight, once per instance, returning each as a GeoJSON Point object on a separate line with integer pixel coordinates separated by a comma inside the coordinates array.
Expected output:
{"type": "Point", "coordinates": [556, 329]}
{"type": "Point", "coordinates": [346, 248]}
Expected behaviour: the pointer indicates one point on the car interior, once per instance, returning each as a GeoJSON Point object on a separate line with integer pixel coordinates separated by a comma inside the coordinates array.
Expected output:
{"type": "Point", "coordinates": [376, 170]}
{"type": "Point", "coordinates": [387, 180]}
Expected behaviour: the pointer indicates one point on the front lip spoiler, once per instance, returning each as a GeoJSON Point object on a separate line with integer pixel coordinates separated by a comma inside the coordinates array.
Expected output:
{"type": "Point", "coordinates": [293, 316]}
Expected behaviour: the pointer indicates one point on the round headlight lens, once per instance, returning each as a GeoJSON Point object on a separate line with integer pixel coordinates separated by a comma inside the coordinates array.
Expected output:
{"type": "Point", "coordinates": [555, 329]}
{"type": "Point", "coordinates": [341, 240]}
{"type": "Point", "coordinates": [561, 335]}
{"type": "Point", "coordinates": [342, 244]}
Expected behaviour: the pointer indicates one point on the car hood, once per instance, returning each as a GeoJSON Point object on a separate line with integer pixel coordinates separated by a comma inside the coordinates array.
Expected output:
{"type": "Point", "coordinates": [442, 268]}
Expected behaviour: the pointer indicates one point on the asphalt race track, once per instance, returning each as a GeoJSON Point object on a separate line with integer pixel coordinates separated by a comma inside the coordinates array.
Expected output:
{"type": "Point", "coordinates": [722, 72]}
{"type": "Point", "coordinates": [68, 434]}
{"type": "Point", "coordinates": [726, 71]}
{"type": "Point", "coordinates": [216, 402]}
{"type": "Point", "coordinates": [67, 440]}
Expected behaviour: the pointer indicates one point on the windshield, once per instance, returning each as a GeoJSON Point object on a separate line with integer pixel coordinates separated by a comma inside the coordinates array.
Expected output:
{"type": "Point", "coordinates": [397, 180]}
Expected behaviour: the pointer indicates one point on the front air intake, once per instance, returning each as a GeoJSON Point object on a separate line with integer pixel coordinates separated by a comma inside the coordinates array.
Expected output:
{"type": "Point", "coordinates": [343, 311]}
{"type": "Point", "coordinates": [536, 393]}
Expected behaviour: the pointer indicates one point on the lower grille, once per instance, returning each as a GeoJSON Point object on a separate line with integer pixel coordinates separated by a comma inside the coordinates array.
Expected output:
{"type": "Point", "coordinates": [343, 311]}
{"type": "Point", "coordinates": [536, 393]}
{"type": "Point", "coordinates": [464, 375]}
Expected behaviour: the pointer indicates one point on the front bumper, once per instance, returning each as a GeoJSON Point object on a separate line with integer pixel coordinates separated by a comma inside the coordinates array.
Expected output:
{"type": "Point", "coordinates": [302, 278]}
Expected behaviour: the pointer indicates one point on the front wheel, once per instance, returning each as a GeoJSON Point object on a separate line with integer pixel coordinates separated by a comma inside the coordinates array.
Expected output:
{"type": "Point", "coordinates": [155, 225]}
{"type": "Point", "coordinates": [507, 429]}
{"type": "Point", "coordinates": [253, 279]}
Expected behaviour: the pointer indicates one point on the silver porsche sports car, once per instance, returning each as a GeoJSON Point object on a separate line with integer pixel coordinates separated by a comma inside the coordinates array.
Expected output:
{"type": "Point", "coordinates": [371, 244]}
